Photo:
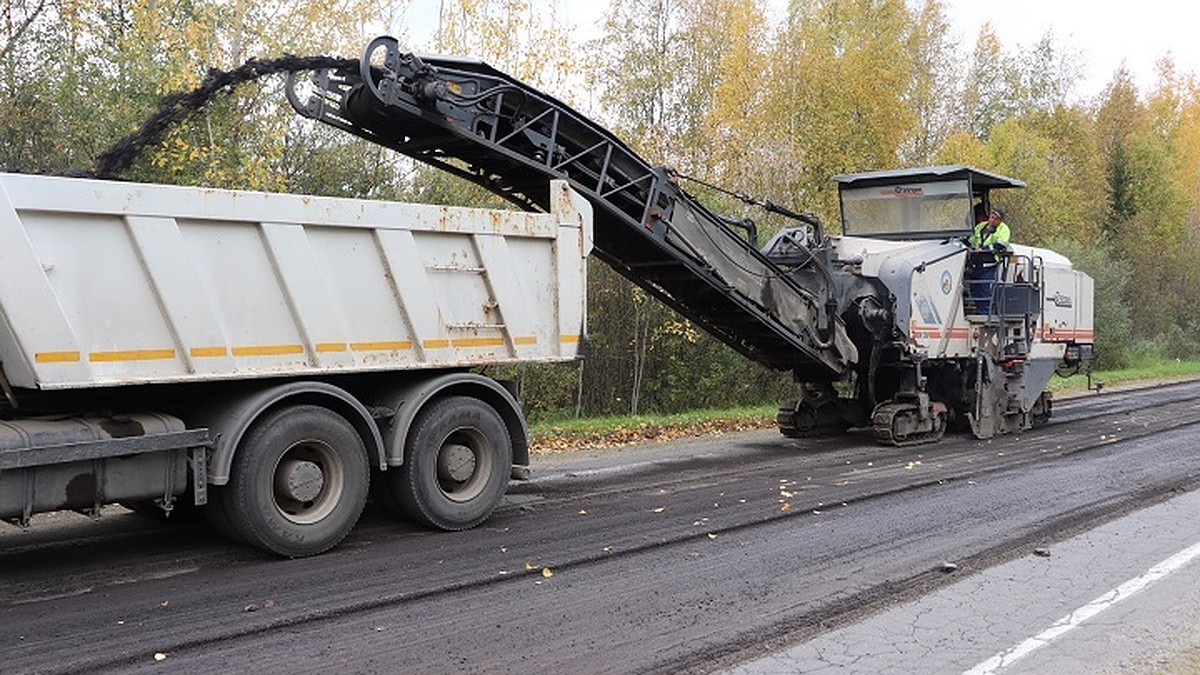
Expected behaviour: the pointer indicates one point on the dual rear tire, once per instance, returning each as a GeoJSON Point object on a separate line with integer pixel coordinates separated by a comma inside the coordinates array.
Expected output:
{"type": "Point", "coordinates": [299, 480]}
{"type": "Point", "coordinates": [457, 461]}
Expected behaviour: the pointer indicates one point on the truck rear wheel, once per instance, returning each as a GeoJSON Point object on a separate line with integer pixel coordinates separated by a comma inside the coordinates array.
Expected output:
{"type": "Point", "coordinates": [298, 481]}
{"type": "Point", "coordinates": [458, 457]}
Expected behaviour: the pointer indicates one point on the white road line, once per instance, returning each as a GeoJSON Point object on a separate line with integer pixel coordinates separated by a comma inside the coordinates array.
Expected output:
{"type": "Point", "coordinates": [1077, 617]}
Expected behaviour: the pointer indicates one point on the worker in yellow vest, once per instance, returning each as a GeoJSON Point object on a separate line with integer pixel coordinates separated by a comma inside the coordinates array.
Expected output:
{"type": "Point", "coordinates": [990, 237]}
{"type": "Point", "coordinates": [991, 231]}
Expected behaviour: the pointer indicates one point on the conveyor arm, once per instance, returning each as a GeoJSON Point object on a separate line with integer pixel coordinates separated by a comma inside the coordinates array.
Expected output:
{"type": "Point", "coordinates": [473, 121]}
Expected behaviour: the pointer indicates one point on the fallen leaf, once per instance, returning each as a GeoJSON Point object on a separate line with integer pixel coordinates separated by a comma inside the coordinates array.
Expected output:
{"type": "Point", "coordinates": [786, 506]}
{"type": "Point", "coordinates": [529, 567]}
{"type": "Point", "coordinates": [547, 572]}
{"type": "Point", "coordinates": [785, 493]}
{"type": "Point", "coordinates": [504, 549]}
{"type": "Point", "coordinates": [711, 535]}
{"type": "Point", "coordinates": [660, 509]}
{"type": "Point", "coordinates": [583, 512]}
{"type": "Point", "coordinates": [164, 603]}
{"type": "Point", "coordinates": [160, 656]}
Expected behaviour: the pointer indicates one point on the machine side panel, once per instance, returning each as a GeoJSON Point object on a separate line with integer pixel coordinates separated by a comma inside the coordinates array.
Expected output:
{"type": "Point", "coordinates": [937, 323]}
{"type": "Point", "coordinates": [1067, 305]}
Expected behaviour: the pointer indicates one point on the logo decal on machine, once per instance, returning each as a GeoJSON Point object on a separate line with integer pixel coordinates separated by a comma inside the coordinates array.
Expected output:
{"type": "Point", "coordinates": [1061, 300]}
{"type": "Point", "coordinates": [947, 282]}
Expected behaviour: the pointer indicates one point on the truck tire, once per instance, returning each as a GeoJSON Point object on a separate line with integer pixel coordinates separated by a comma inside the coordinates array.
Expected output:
{"type": "Point", "coordinates": [298, 482]}
{"type": "Point", "coordinates": [216, 515]}
{"type": "Point", "coordinates": [458, 457]}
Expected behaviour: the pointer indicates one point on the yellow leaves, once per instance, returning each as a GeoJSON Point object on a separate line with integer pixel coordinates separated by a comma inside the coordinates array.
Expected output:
{"type": "Point", "coordinates": [559, 439]}
{"type": "Point", "coordinates": [533, 46]}
{"type": "Point", "coordinates": [544, 570]}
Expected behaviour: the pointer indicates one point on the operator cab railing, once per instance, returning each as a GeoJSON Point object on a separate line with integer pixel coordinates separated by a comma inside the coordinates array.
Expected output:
{"type": "Point", "coordinates": [1002, 287]}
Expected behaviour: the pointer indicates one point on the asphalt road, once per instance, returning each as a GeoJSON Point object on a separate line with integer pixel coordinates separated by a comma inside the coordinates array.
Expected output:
{"type": "Point", "coordinates": [687, 556]}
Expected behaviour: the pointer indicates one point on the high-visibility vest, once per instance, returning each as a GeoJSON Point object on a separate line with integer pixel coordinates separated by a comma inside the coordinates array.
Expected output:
{"type": "Point", "coordinates": [1000, 236]}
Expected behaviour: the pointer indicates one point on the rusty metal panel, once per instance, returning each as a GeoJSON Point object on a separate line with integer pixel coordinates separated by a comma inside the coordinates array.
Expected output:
{"type": "Point", "coordinates": [108, 283]}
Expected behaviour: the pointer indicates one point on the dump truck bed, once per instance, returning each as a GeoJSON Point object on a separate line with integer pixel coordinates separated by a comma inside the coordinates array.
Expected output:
{"type": "Point", "coordinates": [107, 283]}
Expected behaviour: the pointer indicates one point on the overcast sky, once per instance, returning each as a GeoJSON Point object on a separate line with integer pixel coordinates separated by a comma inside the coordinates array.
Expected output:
{"type": "Point", "coordinates": [1105, 33]}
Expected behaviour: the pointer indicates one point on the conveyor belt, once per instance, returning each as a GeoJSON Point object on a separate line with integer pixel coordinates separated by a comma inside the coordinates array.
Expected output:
{"type": "Point", "coordinates": [473, 121]}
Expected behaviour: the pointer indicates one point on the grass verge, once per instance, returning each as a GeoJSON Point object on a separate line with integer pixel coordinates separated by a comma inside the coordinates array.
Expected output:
{"type": "Point", "coordinates": [573, 434]}
{"type": "Point", "coordinates": [1157, 372]}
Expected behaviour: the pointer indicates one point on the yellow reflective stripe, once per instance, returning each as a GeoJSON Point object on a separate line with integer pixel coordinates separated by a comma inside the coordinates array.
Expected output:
{"type": "Point", "coordinates": [331, 346]}
{"type": "Point", "coordinates": [530, 340]}
{"type": "Point", "coordinates": [208, 351]}
{"type": "Point", "coordinates": [56, 357]}
{"type": "Point", "coordinates": [268, 350]}
{"type": "Point", "coordinates": [384, 346]}
{"type": "Point", "coordinates": [478, 342]}
{"type": "Point", "coordinates": [569, 339]}
{"type": "Point", "coordinates": [132, 355]}
{"type": "Point", "coordinates": [435, 344]}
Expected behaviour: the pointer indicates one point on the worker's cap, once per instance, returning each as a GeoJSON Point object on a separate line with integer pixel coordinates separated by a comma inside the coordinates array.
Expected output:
{"type": "Point", "coordinates": [997, 211]}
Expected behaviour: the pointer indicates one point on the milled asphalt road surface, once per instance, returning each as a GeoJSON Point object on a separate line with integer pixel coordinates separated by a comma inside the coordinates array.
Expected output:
{"type": "Point", "coordinates": [689, 556]}
{"type": "Point", "coordinates": [1066, 608]}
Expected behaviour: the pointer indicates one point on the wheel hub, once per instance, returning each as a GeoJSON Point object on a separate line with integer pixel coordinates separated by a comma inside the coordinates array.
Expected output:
{"type": "Point", "coordinates": [456, 463]}
{"type": "Point", "coordinates": [299, 480]}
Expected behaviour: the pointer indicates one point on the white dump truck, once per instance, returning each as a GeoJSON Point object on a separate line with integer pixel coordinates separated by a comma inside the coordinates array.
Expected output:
{"type": "Point", "coordinates": [271, 356]}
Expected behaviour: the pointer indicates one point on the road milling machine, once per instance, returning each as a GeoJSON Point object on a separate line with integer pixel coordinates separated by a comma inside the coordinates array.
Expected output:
{"type": "Point", "coordinates": [895, 324]}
